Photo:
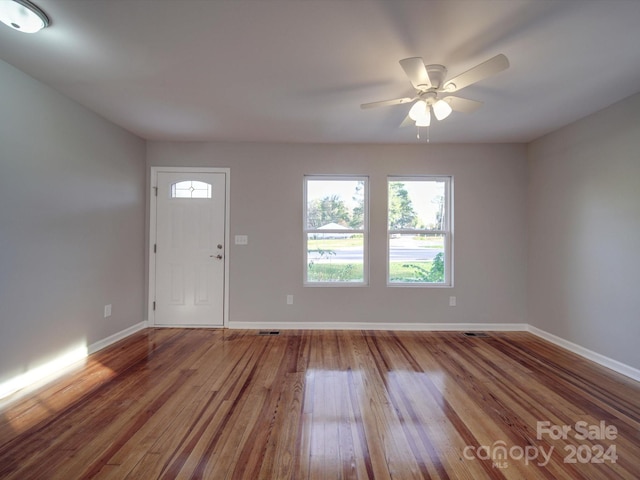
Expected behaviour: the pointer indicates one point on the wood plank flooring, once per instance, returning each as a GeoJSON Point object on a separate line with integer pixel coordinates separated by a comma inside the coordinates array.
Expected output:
{"type": "Point", "coordinates": [228, 404]}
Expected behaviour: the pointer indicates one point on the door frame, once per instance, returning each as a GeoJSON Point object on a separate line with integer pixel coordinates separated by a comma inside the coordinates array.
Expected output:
{"type": "Point", "coordinates": [153, 188]}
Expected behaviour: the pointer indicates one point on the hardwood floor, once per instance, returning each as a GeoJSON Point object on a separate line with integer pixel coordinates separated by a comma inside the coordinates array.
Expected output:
{"type": "Point", "coordinates": [218, 404]}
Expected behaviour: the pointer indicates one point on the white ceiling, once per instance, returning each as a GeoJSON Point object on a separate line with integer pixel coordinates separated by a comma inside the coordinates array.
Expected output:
{"type": "Point", "coordinates": [298, 70]}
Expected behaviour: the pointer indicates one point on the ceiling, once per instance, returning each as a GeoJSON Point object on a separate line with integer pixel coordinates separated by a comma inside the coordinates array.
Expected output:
{"type": "Point", "coordinates": [298, 70]}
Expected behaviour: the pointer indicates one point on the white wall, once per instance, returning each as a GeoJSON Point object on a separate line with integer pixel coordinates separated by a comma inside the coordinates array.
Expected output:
{"type": "Point", "coordinates": [266, 205]}
{"type": "Point", "coordinates": [71, 225]}
{"type": "Point", "coordinates": [584, 232]}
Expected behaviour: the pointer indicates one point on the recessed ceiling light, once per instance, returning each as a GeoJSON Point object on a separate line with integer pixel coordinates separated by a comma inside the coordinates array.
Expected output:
{"type": "Point", "coordinates": [23, 16]}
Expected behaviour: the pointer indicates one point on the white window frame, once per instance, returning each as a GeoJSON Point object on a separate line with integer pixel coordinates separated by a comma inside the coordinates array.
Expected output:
{"type": "Point", "coordinates": [364, 231]}
{"type": "Point", "coordinates": [447, 232]}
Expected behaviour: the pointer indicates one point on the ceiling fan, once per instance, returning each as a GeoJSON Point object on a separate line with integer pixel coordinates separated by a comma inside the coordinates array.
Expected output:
{"type": "Point", "coordinates": [433, 90]}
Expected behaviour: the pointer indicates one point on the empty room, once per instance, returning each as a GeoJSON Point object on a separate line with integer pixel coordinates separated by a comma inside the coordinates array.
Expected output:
{"type": "Point", "coordinates": [304, 239]}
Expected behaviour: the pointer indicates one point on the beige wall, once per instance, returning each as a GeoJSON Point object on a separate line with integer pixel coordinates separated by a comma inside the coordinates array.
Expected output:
{"type": "Point", "coordinates": [71, 225]}
{"type": "Point", "coordinates": [584, 232]}
{"type": "Point", "coordinates": [266, 205]}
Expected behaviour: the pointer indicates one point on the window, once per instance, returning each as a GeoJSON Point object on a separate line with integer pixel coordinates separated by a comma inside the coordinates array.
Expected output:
{"type": "Point", "coordinates": [419, 231]}
{"type": "Point", "coordinates": [191, 189]}
{"type": "Point", "coordinates": [335, 230]}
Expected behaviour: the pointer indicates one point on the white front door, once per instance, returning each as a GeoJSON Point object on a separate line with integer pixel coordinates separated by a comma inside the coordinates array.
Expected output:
{"type": "Point", "coordinates": [189, 249]}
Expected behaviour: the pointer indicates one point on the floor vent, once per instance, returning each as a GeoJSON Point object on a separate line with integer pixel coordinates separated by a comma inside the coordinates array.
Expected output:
{"type": "Point", "coordinates": [475, 334]}
{"type": "Point", "coordinates": [269, 332]}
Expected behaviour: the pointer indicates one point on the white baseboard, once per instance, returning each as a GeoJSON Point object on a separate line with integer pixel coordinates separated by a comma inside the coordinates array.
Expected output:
{"type": "Point", "coordinates": [416, 327]}
{"type": "Point", "coordinates": [607, 362]}
{"type": "Point", "coordinates": [105, 342]}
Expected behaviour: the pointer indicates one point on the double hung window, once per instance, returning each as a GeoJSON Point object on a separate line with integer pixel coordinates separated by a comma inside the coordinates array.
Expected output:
{"type": "Point", "coordinates": [336, 230]}
{"type": "Point", "coordinates": [419, 231]}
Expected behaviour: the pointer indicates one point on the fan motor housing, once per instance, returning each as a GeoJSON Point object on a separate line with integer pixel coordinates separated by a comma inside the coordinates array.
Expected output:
{"type": "Point", "coordinates": [437, 74]}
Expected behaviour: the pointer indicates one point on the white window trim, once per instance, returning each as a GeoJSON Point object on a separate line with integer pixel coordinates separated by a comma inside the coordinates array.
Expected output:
{"type": "Point", "coordinates": [364, 231]}
{"type": "Point", "coordinates": [447, 232]}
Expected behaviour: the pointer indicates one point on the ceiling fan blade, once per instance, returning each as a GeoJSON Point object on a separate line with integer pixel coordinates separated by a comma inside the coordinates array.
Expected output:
{"type": "Point", "coordinates": [408, 121]}
{"type": "Point", "coordinates": [465, 105]}
{"type": "Point", "coordinates": [417, 72]}
{"type": "Point", "coordinates": [386, 103]}
{"type": "Point", "coordinates": [477, 73]}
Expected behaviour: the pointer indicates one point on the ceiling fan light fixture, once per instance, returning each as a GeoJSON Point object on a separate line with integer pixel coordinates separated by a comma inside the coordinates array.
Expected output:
{"type": "Point", "coordinates": [441, 109]}
{"type": "Point", "coordinates": [424, 120]}
{"type": "Point", "coordinates": [418, 110]}
{"type": "Point", "coordinates": [23, 16]}
{"type": "Point", "coordinates": [431, 81]}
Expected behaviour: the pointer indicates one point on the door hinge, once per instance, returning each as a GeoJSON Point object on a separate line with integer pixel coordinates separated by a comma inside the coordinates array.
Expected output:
{"type": "Point", "coordinates": [155, 189]}
{"type": "Point", "coordinates": [155, 249]}
{"type": "Point", "coordinates": [154, 306]}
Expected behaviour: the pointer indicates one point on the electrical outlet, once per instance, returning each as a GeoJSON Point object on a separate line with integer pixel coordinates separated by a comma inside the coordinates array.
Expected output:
{"type": "Point", "coordinates": [452, 301]}
{"type": "Point", "coordinates": [289, 299]}
{"type": "Point", "coordinates": [107, 311]}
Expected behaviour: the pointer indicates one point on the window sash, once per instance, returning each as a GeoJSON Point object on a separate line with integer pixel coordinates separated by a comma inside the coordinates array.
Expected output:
{"type": "Point", "coordinates": [445, 232]}
{"type": "Point", "coordinates": [364, 231]}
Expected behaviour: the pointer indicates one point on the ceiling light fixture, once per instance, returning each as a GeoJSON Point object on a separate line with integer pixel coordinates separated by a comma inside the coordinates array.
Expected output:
{"type": "Point", "coordinates": [418, 110]}
{"type": "Point", "coordinates": [424, 120]}
{"type": "Point", "coordinates": [23, 16]}
{"type": "Point", "coordinates": [421, 110]}
{"type": "Point", "coordinates": [441, 109]}
{"type": "Point", "coordinates": [430, 81]}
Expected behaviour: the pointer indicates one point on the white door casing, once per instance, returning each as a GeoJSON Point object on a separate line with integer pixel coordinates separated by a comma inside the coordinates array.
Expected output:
{"type": "Point", "coordinates": [188, 266]}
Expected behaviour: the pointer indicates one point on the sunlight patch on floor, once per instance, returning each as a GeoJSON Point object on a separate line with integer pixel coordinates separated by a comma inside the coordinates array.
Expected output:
{"type": "Point", "coordinates": [41, 372]}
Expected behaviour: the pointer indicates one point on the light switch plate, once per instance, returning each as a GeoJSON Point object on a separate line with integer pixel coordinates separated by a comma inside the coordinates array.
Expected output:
{"type": "Point", "coordinates": [242, 240]}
